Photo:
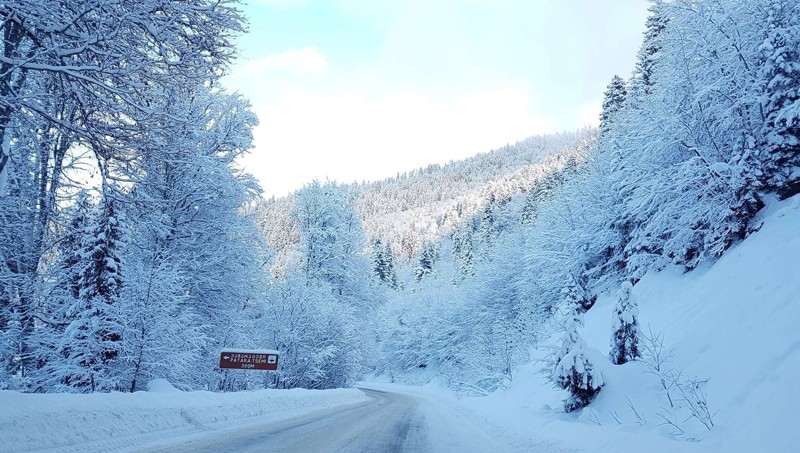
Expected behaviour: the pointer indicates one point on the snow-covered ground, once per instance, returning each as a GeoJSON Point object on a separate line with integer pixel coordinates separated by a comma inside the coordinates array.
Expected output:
{"type": "Point", "coordinates": [135, 421]}
{"type": "Point", "coordinates": [732, 326]}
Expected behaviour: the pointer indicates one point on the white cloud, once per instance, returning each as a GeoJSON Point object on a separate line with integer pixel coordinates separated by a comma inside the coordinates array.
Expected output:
{"type": "Point", "coordinates": [590, 114]}
{"type": "Point", "coordinates": [349, 137]}
{"type": "Point", "coordinates": [295, 61]}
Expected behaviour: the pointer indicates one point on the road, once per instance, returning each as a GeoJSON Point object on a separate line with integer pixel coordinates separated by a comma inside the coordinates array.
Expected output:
{"type": "Point", "coordinates": [387, 422]}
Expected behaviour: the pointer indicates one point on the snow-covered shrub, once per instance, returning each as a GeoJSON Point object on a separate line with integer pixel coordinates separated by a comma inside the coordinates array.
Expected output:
{"type": "Point", "coordinates": [572, 367]}
{"type": "Point", "coordinates": [577, 373]}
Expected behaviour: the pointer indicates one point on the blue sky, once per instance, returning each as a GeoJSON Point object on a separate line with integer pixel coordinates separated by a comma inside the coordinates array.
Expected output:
{"type": "Point", "coordinates": [353, 90]}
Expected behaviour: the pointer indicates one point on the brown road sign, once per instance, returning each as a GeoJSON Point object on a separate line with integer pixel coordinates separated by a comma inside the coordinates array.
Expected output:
{"type": "Point", "coordinates": [245, 359]}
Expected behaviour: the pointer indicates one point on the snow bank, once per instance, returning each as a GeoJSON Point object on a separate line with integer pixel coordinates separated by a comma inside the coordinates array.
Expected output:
{"type": "Point", "coordinates": [120, 421]}
{"type": "Point", "coordinates": [733, 324]}
{"type": "Point", "coordinates": [452, 426]}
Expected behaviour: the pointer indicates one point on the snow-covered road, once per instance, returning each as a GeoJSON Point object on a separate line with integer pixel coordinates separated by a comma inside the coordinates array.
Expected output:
{"type": "Point", "coordinates": [386, 422]}
{"type": "Point", "coordinates": [389, 421]}
{"type": "Point", "coordinates": [374, 418]}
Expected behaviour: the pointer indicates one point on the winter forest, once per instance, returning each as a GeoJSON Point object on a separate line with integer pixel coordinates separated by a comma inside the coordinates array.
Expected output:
{"type": "Point", "coordinates": [133, 246]}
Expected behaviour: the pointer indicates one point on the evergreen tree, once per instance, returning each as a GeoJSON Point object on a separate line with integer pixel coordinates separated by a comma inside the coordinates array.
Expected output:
{"type": "Point", "coordinates": [613, 102]}
{"type": "Point", "coordinates": [781, 71]}
{"type": "Point", "coordinates": [625, 328]}
{"type": "Point", "coordinates": [650, 52]}
{"type": "Point", "coordinates": [573, 368]}
{"type": "Point", "coordinates": [466, 255]}
{"type": "Point", "coordinates": [388, 258]}
{"type": "Point", "coordinates": [383, 263]}
{"type": "Point", "coordinates": [71, 245]}
{"type": "Point", "coordinates": [90, 342]}
{"type": "Point", "coordinates": [576, 373]}
{"type": "Point", "coordinates": [427, 258]}
{"type": "Point", "coordinates": [58, 311]}
{"type": "Point", "coordinates": [528, 215]}
{"type": "Point", "coordinates": [378, 260]}
{"type": "Point", "coordinates": [487, 225]}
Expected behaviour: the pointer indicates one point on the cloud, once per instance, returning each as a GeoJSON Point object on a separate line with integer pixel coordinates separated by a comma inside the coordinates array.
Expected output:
{"type": "Point", "coordinates": [294, 61]}
{"type": "Point", "coordinates": [353, 137]}
{"type": "Point", "coordinates": [589, 115]}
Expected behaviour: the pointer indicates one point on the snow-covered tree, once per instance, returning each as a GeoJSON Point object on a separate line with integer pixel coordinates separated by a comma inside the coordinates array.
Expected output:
{"type": "Point", "coordinates": [163, 336]}
{"type": "Point", "coordinates": [577, 373]}
{"type": "Point", "coordinates": [649, 53]}
{"type": "Point", "coordinates": [86, 356]}
{"type": "Point", "coordinates": [464, 252]}
{"type": "Point", "coordinates": [59, 309]}
{"type": "Point", "coordinates": [388, 256]}
{"type": "Point", "coordinates": [625, 327]}
{"type": "Point", "coordinates": [383, 263]}
{"type": "Point", "coordinates": [332, 241]}
{"type": "Point", "coordinates": [114, 57]}
{"type": "Point", "coordinates": [780, 71]}
{"type": "Point", "coordinates": [316, 334]}
{"type": "Point", "coordinates": [427, 258]}
{"type": "Point", "coordinates": [613, 102]}
{"type": "Point", "coordinates": [574, 366]}
{"type": "Point", "coordinates": [197, 256]}
{"type": "Point", "coordinates": [487, 228]}
{"type": "Point", "coordinates": [81, 84]}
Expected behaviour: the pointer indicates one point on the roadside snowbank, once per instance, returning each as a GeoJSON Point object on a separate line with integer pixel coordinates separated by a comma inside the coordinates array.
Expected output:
{"type": "Point", "coordinates": [456, 424]}
{"type": "Point", "coordinates": [734, 324]}
{"type": "Point", "coordinates": [121, 421]}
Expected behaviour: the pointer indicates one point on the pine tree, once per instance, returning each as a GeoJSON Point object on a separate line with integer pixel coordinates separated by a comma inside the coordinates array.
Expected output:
{"type": "Point", "coordinates": [781, 72]}
{"type": "Point", "coordinates": [391, 274]}
{"type": "Point", "coordinates": [91, 340]}
{"type": "Point", "coordinates": [625, 339]}
{"type": "Point", "coordinates": [487, 225]}
{"type": "Point", "coordinates": [427, 258]}
{"type": "Point", "coordinates": [59, 310]}
{"type": "Point", "coordinates": [529, 209]}
{"type": "Point", "coordinates": [71, 245]}
{"type": "Point", "coordinates": [649, 54]}
{"type": "Point", "coordinates": [466, 255]}
{"type": "Point", "coordinates": [613, 102]}
{"type": "Point", "coordinates": [571, 367]}
{"type": "Point", "coordinates": [383, 263]}
{"type": "Point", "coordinates": [576, 372]}
{"type": "Point", "coordinates": [378, 260]}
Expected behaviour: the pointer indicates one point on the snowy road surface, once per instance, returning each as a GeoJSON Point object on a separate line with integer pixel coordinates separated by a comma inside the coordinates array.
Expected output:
{"type": "Point", "coordinates": [377, 418]}
{"type": "Point", "coordinates": [387, 422]}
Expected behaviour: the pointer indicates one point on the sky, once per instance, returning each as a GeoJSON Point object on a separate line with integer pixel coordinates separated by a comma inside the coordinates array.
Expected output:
{"type": "Point", "coordinates": [359, 90]}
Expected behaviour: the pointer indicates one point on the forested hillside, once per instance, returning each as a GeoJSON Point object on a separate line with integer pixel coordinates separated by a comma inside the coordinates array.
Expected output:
{"type": "Point", "coordinates": [425, 205]}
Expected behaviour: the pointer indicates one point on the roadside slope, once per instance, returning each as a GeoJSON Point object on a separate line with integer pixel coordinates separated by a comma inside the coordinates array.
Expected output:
{"type": "Point", "coordinates": [733, 326]}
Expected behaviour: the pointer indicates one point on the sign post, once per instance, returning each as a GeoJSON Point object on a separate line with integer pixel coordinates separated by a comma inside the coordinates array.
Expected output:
{"type": "Point", "coordinates": [249, 359]}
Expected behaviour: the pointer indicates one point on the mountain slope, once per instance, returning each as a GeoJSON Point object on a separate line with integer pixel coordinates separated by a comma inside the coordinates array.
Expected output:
{"type": "Point", "coordinates": [731, 325]}
{"type": "Point", "coordinates": [427, 204]}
